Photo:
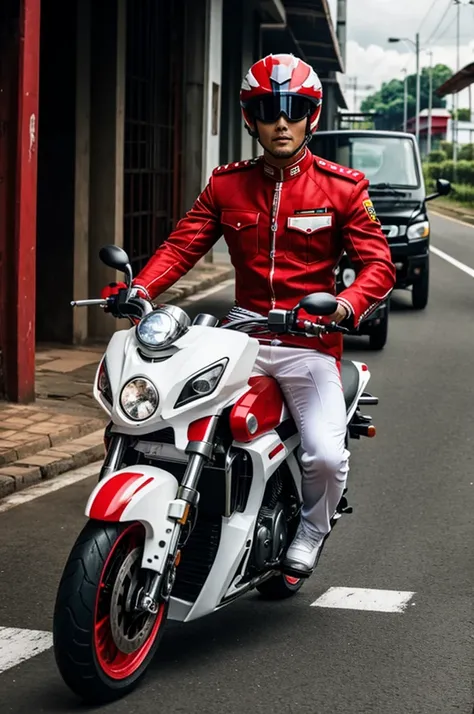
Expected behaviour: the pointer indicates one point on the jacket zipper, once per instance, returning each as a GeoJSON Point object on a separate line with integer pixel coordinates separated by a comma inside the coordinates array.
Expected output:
{"type": "Point", "coordinates": [274, 228]}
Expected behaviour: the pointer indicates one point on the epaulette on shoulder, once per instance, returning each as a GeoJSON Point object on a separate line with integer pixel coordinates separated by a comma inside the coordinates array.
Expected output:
{"type": "Point", "coordinates": [335, 169]}
{"type": "Point", "coordinates": [234, 166]}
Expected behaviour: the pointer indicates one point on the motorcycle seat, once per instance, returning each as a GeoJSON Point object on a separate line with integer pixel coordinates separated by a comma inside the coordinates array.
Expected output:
{"type": "Point", "coordinates": [350, 381]}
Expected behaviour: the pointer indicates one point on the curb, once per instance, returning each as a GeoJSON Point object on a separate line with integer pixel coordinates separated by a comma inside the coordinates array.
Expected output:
{"type": "Point", "coordinates": [185, 288]}
{"type": "Point", "coordinates": [453, 213]}
{"type": "Point", "coordinates": [51, 462]}
{"type": "Point", "coordinates": [44, 442]}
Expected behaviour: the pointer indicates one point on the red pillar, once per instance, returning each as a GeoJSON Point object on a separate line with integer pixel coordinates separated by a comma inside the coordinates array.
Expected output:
{"type": "Point", "coordinates": [21, 375]}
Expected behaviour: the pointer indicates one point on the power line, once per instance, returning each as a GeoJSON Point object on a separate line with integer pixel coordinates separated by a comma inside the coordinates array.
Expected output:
{"type": "Point", "coordinates": [427, 13]}
{"type": "Point", "coordinates": [438, 37]}
{"type": "Point", "coordinates": [450, 5]}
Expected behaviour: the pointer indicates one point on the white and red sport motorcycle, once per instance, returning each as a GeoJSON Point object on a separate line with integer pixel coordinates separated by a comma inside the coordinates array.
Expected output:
{"type": "Point", "coordinates": [200, 492]}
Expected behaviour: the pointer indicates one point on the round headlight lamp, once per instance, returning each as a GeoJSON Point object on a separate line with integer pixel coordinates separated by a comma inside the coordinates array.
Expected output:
{"type": "Point", "coordinates": [162, 327]}
{"type": "Point", "coordinates": [139, 399]}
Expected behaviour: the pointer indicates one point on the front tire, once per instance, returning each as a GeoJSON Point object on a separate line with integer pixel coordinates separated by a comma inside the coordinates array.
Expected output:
{"type": "Point", "coordinates": [420, 290]}
{"type": "Point", "coordinates": [102, 645]}
{"type": "Point", "coordinates": [378, 335]}
{"type": "Point", "coordinates": [280, 587]}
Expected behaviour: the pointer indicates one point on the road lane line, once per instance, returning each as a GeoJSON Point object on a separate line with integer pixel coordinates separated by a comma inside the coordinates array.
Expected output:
{"type": "Point", "coordinates": [364, 599]}
{"type": "Point", "coordinates": [54, 484]}
{"type": "Point", "coordinates": [449, 218]}
{"type": "Point", "coordinates": [17, 645]}
{"type": "Point", "coordinates": [441, 254]}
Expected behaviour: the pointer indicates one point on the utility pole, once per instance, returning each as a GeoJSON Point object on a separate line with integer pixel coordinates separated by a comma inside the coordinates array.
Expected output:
{"type": "Point", "coordinates": [417, 119]}
{"type": "Point", "coordinates": [405, 101]}
{"type": "Point", "coordinates": [430, 104]}
{"type": "Point", "coordinates": [416, 44]}
{"type": "Point", "coordinates": [357, 88]}
{"type": "Point", "coordinates": [456, 96]}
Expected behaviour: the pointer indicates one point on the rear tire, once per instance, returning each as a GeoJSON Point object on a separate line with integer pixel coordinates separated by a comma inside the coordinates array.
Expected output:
{"type": "Point", "coordinates": [94, 611]}
{"type": "Point", "coordinates": [280, 587]}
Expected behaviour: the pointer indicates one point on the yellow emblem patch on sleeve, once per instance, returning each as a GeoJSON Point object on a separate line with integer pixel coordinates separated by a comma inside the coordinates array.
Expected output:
{"type": "Point", "coordinates": [369, 207]}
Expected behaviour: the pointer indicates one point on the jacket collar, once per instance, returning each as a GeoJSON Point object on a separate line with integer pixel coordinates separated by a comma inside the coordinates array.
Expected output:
{"type": "Point", "coordinates": [289, 172]}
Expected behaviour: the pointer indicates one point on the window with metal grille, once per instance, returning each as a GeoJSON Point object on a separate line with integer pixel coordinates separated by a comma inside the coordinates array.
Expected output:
{"type": "Point", "coordinates": [154, 71]}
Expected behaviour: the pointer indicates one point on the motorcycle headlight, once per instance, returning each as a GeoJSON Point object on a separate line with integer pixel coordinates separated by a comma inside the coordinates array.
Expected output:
{"type": "Point", "coordinates": [418, 230]}
{"type": "Point", "coordinates": [139, 399]}
{"type": "Point", "coordinates": [162, 327]}
{"type": "Point", "coordinates": [201, 384]}
{"type": "Point", "coordinates": [348, 277]}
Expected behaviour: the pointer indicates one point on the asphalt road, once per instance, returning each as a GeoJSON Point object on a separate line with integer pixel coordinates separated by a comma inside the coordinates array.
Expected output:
{"type": "Point", "coordinates": [411, 530]}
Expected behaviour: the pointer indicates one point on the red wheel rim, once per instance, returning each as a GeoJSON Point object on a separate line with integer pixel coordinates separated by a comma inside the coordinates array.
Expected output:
{"type": "Point", "coordinates": [290, 580]}
{"type": "Point", "coordinates": [114, 663]}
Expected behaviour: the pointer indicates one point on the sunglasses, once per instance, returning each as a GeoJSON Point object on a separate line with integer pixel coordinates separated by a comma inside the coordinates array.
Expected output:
{"type": "Point", "coordinates": [267, 109]}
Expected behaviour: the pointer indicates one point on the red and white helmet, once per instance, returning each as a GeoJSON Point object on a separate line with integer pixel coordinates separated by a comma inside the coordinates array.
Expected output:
{"type": "Point", "coordinates": [280, 84]}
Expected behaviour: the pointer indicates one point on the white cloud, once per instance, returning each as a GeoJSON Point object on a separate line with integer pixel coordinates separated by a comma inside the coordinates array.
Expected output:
{"type": "Point", "coordinates": [373, 60]}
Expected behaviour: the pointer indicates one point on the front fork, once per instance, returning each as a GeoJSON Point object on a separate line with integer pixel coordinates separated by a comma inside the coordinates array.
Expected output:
{"type": "Point", "coordinates": [200, 453]}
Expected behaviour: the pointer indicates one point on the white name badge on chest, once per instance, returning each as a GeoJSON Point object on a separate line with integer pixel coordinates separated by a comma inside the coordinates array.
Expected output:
{"type": "Point", "coordinates": [310, 224]}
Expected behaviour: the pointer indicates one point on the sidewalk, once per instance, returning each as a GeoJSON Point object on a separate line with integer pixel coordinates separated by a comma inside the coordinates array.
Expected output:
{"type": "Point", "coordinates": [64, 428]}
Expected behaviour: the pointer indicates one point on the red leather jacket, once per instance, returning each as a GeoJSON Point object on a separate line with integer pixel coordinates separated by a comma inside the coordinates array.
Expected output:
{"type": "Point", "coordinates": [286, 230]}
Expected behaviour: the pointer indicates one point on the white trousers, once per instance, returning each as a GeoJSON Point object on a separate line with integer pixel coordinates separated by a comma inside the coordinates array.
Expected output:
{"type": "Point", "coordinates": [311, 384]}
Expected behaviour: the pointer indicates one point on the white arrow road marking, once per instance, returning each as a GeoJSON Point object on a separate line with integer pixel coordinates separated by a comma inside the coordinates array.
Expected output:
{"type": "Point", "coordinates": [17, 645]}
{"type": "Point", "coordinates": [364, 599]}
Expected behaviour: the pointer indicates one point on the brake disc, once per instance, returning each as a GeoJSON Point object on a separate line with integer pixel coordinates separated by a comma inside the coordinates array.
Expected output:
{"type": "Point", "coordinates": [130, 628]}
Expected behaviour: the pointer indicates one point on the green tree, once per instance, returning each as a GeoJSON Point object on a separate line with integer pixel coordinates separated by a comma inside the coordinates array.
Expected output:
{"type": "Point", "coordinates": [389, 102]}
{"type": "Point", "coordinates": [466, 152]}
{"type": "Point", "coordinates": [464, 115]}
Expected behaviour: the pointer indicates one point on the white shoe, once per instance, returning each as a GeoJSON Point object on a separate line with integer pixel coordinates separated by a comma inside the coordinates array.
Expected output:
{"type": "Point", "coordinates": [302, 555]}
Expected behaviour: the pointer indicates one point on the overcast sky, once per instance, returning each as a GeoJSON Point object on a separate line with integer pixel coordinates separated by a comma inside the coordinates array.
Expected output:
{"type": "Point", "coordinates": [373, 60]}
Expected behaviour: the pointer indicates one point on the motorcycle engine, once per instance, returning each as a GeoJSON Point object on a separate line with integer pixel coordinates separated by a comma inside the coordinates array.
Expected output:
{"type": "Point", "coordinates": [270, 536]}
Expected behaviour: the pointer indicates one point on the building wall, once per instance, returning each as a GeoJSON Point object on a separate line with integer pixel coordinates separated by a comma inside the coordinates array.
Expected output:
{"type": "Point", "coordinates": [241, 33]}
{"type": "Point", "coordinates": [56, 160]}
{"type": "Point", "coordinates": [212, 89]}
{"type": "Point", "coordinates": [193, 101]}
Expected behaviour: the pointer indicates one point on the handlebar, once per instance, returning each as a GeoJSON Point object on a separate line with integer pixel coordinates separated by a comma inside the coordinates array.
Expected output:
{"type": "Point", "coordinates": [286, 322]}
{"type": "Point", "coordinates": [133, 308]}
{"type": "Point", "coordinates": [278, 321]}
{"type": "Point", "coordinates": [94, 301]}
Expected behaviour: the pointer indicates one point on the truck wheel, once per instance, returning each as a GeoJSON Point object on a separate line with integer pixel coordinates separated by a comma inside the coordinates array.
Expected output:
{"type": "Point", "coordinates": [421, 290]}
{"type": "Point", "coordinates": [378, 335]}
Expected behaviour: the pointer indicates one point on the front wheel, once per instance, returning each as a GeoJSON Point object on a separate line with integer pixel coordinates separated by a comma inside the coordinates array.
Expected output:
{"type": "Point", "coordinates": [280, 587]}
{"type": "Point", "coordinates": [379, 333]}
{"type": "Point", "coordinates": [420, 290]}
{"type": "Point", "coordinates": [102, 644]}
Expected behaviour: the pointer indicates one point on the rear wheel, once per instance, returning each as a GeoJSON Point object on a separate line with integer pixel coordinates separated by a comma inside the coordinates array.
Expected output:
{"type": "Point", "coordinates": [280, 587]}
{"type": "Point", "coordinates": [102, 644]}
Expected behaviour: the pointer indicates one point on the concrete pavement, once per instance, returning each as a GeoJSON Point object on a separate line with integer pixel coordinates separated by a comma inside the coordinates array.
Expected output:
{"type": "Point", "coordinates": [412, 489]}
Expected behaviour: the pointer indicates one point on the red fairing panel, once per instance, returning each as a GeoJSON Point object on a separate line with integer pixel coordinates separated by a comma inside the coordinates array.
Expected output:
{"type": "Point", "coordinates": [200, 429]}
{"type": "Point", "coordinates": [115, 495]}
{"type": "Point", "coordinates": [265, 401]}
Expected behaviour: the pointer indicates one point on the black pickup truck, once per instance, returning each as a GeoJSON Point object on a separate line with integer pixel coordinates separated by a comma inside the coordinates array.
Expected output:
{"type": "Point", "coordinates": [392, 164]}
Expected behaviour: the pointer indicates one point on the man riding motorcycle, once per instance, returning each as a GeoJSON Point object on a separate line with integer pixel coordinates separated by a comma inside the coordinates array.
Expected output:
{"type": "Point", "coordinates": [287, 217]}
